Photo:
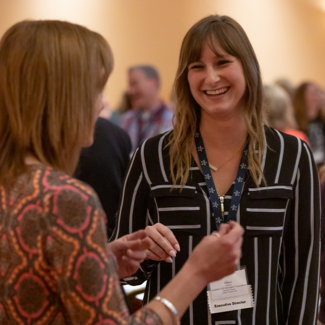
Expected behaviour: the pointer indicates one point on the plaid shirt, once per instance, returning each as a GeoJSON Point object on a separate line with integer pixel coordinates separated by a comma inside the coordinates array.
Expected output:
{"type": "Point", "coordinates": [143, 125]}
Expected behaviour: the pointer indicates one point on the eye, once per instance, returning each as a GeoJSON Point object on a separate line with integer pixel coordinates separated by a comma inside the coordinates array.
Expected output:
{"type": "Point", "coordinates": [223, 62]}
{"type": "Point", "coordinates": [195, 67]}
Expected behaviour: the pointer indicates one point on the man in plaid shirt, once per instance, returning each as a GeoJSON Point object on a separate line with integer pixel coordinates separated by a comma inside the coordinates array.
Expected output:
{"type": "Point", "coordinates": [150, 116]}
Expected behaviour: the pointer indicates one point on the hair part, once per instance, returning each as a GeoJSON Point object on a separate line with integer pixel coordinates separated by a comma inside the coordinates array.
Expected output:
{"type": "Point", "coordinates": [232, 39]}
{"type": "Point", "coordinates": [50, 75]}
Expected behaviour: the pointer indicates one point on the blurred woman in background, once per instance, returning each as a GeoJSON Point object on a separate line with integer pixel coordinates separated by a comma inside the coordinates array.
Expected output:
{"type": "Point", "coordinates": [308, 104]}
{"type": "Point", "coordinates": [280, 111]}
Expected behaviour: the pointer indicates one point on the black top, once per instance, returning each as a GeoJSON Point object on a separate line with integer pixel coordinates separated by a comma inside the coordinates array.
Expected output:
{"type": "Point", "coordinates": [281, 222]}
{"type": "Point", "coordinates": [103, 166]}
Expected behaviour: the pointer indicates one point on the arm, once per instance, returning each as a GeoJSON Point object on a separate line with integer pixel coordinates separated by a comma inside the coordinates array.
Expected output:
{"type": "Point", "coordinates": [132, 216]}
{"type": "Point", "coordinates": [84, 274]}
{"type": "Point", "coordinates": [301, 247]}
{"type": "Point", "coordinates": [81, 270]}
{"type": "Point", "coordinates": [212, 259]}
{"type": "Point", "coordinates": [132, 210]}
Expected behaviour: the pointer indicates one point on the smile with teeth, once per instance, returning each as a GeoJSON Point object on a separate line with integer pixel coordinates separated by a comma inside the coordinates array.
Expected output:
{"type": "Point", "coordinates": [217, 91]}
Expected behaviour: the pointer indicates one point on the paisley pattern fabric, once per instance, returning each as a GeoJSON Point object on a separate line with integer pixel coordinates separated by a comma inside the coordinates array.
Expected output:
{"type": "Point", "coordinates": [54, 265]}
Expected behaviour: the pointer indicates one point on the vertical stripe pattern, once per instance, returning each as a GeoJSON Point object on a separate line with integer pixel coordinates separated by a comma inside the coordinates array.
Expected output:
{"type": "Point", "coordinates": [281, 222]}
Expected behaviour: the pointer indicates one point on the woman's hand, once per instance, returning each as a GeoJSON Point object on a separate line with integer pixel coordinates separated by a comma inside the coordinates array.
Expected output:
{"type": "Point", "coordinates": [217, 255]}
{"type": "Point", "coordinates": [163, 244]}
{"type": "Point", "coordinates": [130, 251]}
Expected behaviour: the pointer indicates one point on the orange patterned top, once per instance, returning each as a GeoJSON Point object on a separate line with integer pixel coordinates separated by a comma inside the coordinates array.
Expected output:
{"type": "Point", "coordinates": [54, 267]}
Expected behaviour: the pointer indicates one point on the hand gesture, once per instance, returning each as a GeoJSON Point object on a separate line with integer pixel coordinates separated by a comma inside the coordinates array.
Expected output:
{"type": "Point", "coordinates": [163, 244]}
{"type": "Point", "coordinates": [130, 251]}
{"type": "Point", "coordinates": [217, 255]}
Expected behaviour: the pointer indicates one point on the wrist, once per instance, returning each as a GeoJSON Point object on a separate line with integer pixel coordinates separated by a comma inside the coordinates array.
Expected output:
{"type": "Point", "coordinates": [194, 275]}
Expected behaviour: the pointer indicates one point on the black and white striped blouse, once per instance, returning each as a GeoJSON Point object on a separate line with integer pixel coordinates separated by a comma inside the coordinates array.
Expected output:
{"type": "Point", "coordinates": [281, 222]}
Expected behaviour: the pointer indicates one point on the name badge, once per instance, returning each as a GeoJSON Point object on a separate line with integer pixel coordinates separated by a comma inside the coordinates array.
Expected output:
{"type": "Point", "coordinates": [230, 293]}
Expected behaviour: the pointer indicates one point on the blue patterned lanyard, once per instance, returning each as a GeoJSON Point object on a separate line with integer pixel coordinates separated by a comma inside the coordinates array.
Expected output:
{"type": "Point", "coordinates": [214, 197]}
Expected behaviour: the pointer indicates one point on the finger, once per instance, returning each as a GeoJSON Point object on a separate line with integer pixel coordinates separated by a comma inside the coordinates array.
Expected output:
{"type": "Point", "coordinates": [138, 244]}
{"type": "Point", "coordinates": [131, 262]}
{"type": "Point", "coordinates": [136, 255]}
{"type": "Point", "coordinates": [237, 227]}
{"type": "Point", "coordinates": [224, 229]}
{"type": "Point", "coordinates": [236, 231]}
{"type": "Point", "coordinates": [140, 234]}
{"type": "Point", "coordinates": [158, 236]}
{"type": "Point", "coordinates": [169, 236]}
{"type": "Point", "coordinates": [159, 252]}
{"type": "Point", "coordinates": [153, 256]}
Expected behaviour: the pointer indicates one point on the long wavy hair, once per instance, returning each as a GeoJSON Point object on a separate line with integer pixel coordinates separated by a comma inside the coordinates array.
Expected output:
{"type": "Point", "coordinates": [50, 75]}
{"type": "Point", "coordinates": [232, 39]}
{"type": "Point", "coordinates": [300, 107]}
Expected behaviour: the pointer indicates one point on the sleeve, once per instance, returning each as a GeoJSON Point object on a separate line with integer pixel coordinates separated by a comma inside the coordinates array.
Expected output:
{"type": "Point", "coordinates": [301, 246]}
{"type": "Point", "coordinates": [82, 271]}
{"type": "Point", "coordinates": [133, 209]}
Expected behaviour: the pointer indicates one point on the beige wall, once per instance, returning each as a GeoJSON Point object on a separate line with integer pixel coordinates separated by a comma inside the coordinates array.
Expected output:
{"type": "Point", "coordinates": [288, 35]}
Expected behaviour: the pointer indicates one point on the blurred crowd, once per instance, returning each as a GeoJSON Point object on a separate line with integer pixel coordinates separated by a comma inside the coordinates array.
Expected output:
{"type": "Point", "coordinates": [296, 110]}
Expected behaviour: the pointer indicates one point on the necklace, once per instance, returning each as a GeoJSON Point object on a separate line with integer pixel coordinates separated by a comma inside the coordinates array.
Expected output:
{"type": "Point", "coordinates": [215, 169]}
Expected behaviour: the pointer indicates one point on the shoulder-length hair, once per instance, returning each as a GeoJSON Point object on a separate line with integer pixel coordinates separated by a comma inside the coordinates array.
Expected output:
{"type": "Point", "coordinates": [300, 106]}
{"type": "Point", "coordinates": [279, 108]}
{"type": "Point", "coordinates": [232, 39]}
{"type": "Point", "coordinates": [50, 75]}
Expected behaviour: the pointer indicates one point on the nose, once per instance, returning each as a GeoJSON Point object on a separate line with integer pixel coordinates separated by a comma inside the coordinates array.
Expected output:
{"type": "Point", "coordinates": [212, 76]}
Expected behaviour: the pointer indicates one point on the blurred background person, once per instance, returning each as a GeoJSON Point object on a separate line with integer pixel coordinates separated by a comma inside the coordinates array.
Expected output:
{"type": "Point", "coordinates": [103, 165]}
{"type": "Point", "coordinates": [308, 103]}
{"type": "Point", "coordinates": [150, 115]}
{"type": "Point", "coordinates": [286, 85]}
{"type": "Point", "coordinates": [124, 106]}
{"type": "Point", "coordinates": [280, 112]}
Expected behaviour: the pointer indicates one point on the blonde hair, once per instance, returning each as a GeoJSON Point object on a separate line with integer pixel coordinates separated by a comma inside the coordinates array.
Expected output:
{"type": "Point", "coordinates": [50, 75]}
{"type": "Point", "coordinates": [279, 108]}
{"type": "Point", "coordinates": [232, 39]}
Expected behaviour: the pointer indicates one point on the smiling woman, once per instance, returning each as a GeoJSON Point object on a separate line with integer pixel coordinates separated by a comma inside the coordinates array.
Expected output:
{"type": "Point", "coordinates": [221, 163]}
{"type": "Point", "coordinates": [217, 82]}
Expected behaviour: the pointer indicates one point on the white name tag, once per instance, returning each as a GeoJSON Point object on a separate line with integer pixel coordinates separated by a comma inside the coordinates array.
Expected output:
{"type": "Point", "coordinates": [230, 293]}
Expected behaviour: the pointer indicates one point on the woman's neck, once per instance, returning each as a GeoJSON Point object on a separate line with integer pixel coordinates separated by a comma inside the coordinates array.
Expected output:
{"type": "Point", "coordinates": [31, 159]}
{"type": "Point", "coordinates": [226, 134]}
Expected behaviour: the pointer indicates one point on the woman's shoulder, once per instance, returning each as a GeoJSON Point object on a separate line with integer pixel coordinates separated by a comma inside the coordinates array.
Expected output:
{"type": "Point", "coordinates": [275, 137]}
{"type": "Point", "coordinates": [158, 142]}
{"type": "Point", "coordinates": [285, 154]}
{"type": "Point", "coordinates": [54, 184]}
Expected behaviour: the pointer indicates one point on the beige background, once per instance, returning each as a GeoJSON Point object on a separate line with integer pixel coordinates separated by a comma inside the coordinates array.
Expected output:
{"type": "Point", "coordinates": [288, 35]}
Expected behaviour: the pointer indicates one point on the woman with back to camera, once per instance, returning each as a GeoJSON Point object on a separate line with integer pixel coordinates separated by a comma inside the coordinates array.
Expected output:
{"type": "Point", "coordinates": [55, 264]}
{"type": "Point", "coordinates": [264, 179]}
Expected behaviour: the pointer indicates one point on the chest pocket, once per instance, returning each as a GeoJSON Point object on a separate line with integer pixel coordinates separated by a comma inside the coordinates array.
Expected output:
{"type": "Point", "coordinates": [182, 212]}
{"type": "Point", "coordinates": [266, 210]}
